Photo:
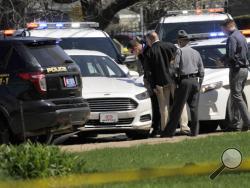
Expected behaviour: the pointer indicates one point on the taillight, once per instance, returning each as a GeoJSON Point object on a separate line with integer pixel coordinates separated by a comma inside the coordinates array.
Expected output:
{"type": "Point", "coordinates": [37, 78]}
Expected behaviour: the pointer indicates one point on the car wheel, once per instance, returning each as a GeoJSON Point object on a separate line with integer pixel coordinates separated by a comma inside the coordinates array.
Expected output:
{"type": "Point", "coordinates": [4, 132]}
{"type": "Point", "coordinates": [138, 135]}
{"type": "Point", "coordinates": [229, 115]}
{"type": "Point", "coordinates": [208, 126]}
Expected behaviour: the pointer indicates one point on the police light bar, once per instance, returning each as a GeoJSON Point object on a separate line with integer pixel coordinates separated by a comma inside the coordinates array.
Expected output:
{"type": "Point", "coordinates": [197, 11]}
{"type": "Point", "coordinates": [61, 25]}
{"type": "Point", "coordinates": [199, 36]}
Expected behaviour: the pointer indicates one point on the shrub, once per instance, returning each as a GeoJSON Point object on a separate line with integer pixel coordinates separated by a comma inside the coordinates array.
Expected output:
{"type": "Point", "coordinates": [37, 160]}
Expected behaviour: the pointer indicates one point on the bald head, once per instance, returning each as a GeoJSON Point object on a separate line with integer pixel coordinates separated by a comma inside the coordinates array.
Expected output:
{"type": "Point", "coordinates": [152, 37]}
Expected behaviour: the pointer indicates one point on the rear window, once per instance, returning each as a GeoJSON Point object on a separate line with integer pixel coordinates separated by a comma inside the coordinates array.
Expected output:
{"type": "Point", "coordinates": [103, 45]}
{"type": "Point", "coordinates": [49, 55]}
{"type": "Point", "coordinates": [168, 31]}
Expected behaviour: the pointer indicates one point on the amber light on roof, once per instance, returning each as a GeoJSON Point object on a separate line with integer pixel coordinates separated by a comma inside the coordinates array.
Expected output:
{"type": "Point", "coordinates": [9, 32]}
{"type": "Point", "coordinates": [32, 25]}
{"type": "Point", "coordinates": [245, 32]}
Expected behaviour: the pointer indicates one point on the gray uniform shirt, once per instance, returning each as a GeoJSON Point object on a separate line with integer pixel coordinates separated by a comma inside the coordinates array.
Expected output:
{"type": "Point", "coordinates": [189, 61]}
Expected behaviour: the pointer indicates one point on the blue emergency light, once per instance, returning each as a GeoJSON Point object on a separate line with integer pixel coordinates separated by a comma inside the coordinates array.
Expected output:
{"type": "Point", "coordinates": [42, 25]}
{"type": "Point", "coordinates": [200, 36]}
{"type": "Point", "coordinates": [216, 34]}
{"type": "Point", "coordinates": [59, 25]}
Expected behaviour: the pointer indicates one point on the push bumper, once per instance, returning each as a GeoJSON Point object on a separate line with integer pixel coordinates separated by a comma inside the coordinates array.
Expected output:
{"type": "Point", "coordinates": [50, 116]}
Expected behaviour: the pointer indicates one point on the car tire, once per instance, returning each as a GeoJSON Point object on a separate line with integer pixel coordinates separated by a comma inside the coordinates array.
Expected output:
{"type": "Point", "coordinates": [208, 126]}
{"type": "Point", "coordinates": [224, 124]}
{"type": "Point", "coordinates": [138, 135]}
{"type": "Point", "coordinates": [4, 132]}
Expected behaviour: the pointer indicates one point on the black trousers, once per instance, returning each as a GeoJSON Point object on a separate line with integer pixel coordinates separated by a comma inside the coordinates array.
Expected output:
{"type": "Point", "coordinates": [187, 92]}
{"type": "Point", "coordinates": [156, 112]}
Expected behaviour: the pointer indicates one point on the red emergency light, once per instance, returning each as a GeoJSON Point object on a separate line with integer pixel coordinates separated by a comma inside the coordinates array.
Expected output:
{"type": "Point", "coordinates": [32, 25]}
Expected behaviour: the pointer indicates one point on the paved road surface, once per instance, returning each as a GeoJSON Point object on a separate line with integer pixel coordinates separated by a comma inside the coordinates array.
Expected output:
{"type": "Point", "coordinates": [119, 141]}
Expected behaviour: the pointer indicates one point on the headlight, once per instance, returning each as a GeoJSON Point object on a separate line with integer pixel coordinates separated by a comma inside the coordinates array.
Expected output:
{"type": "Point", "coordinates": [212, 86]}
{"type": "Point", "coordinates": [142, 96]}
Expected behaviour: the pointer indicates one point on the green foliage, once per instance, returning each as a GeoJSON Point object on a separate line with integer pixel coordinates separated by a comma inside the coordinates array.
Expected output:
{"type": "Point", "coordinates": [36, 160]}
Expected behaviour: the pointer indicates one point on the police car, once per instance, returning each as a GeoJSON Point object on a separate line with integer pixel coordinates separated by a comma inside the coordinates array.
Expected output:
{"type": "Point", "coordinates": [192, 21]}
{"type": "Point", "coordinates": [215, 106]}
{"type": "Point", "coordinates": [117, 103]}
{"type": "Point", "coordinates": [40, 89]}
{"type": "Point", "coordinates": [78, 35]}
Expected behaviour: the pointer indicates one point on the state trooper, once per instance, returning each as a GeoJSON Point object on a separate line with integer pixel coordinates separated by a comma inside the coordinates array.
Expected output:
{"type": "Point", "coordinates": [190, 74]}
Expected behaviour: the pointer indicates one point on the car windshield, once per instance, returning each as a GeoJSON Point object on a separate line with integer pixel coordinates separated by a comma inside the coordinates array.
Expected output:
{"type": "Point", "coordinates": [98, 66]}
{"type": "Point", "coordinates": [211, 55]}
{"type": "Point", "coordinates": [168, 31]}
{"type": "Point", "coordinates": [103, 45]}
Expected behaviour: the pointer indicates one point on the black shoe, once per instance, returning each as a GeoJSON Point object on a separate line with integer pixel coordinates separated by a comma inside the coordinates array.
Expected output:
{"type": "Point", "coordinates": [245, 128]}
{"type": "Point", "coordinates": [192, 134]}
{"type": "Point", "coordinates": [166, 135]}
{"type": "Point", "coordinates": [185, 132]}
{"type": "Point", "coordinates": [154, 134]}
{"type": "Point", "coordinates": [230, 129]}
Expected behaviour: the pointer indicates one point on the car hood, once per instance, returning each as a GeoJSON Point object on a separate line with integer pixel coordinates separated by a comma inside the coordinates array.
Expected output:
{"type": "Point", "coordinates": [216, 75]}
{"type": "Point", "coordinates": [211, 76]}
{"type": "Point", "coordinates": [101, 86]}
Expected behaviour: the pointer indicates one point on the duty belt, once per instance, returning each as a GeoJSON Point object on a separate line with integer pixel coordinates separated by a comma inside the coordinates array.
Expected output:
{"type": "Point", "coordinates": [188, 76]}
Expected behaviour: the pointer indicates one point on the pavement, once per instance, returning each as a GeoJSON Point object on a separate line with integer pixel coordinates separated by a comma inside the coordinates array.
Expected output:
{"type": "Point", "coordinates": [77, 144]}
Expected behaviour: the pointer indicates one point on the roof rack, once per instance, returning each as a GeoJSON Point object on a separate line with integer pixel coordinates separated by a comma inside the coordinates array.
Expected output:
{"type": "Point", "coordinates": [61, 25]}
{"type": "Point", "coordinates": [196, 11]}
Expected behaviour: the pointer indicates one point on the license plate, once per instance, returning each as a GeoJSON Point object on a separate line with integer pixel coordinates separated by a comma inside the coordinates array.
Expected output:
{"type": "Point", "coordinates": [108, 118]}
{"type": "Point", "coordinates": [69, 82]}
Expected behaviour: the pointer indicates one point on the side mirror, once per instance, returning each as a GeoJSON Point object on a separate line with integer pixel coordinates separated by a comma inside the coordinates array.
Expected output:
{"type": "Point", "coordinates": [124, 69]}
{"type": "Point", "coordinates": [134, 74]}
{"type": "Point", "coordinates": [122, 58]}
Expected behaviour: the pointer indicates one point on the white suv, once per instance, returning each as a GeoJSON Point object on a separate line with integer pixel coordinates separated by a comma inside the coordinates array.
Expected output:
{"type": "Point", "coordinates": [196, 21]}
{"type": "Point", "coordinates": [78, 35]}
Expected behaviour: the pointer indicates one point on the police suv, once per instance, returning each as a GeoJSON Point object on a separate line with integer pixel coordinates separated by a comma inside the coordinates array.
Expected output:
{"type": "Point", "coordinates": [40, 89]}
{"type": "Point", "coordinates": [215, 106]}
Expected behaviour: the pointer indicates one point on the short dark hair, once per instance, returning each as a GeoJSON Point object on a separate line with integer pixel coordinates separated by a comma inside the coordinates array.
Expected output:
{"type": "Point", "coordinates": [228, 22]}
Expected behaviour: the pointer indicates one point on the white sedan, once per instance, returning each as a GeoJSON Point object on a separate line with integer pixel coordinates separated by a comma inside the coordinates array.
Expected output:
{"type": "Point", "coordinates": [117, 103]}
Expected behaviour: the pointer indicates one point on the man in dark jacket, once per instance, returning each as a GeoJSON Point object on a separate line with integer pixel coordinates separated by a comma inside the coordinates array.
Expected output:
{"type": "Point", "coordinates": [160, 56]}
{"type": "Point", "coordinates": [236, 59]}
{"type": "Point", "coordinates": [141, 51]}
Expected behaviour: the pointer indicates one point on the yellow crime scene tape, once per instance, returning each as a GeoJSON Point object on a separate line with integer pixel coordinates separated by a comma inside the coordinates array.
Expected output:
{"type": "Point", "coordinates": [120, 176]}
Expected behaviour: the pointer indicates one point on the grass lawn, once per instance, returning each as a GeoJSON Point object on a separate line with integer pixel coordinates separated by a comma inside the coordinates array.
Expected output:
{"type": "Point", "coordinates": [173, 154]}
